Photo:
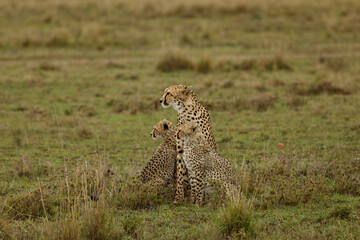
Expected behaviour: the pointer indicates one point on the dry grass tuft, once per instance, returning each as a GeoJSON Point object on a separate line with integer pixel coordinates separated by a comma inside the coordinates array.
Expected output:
{"type": "Point", "coordinates": [135, 195]}
{"type": "Point", "coordinates": [276, 63]}
{"type": "Point", "coordinates": [327, 87]}
{"type": "Point", "coordinates": [334, 64]}
{"type": "Point", "coordinates": [133, 107]}
{"type": "Point", "coordinates": [130, 225]}
{"type": "Point", "coordinates": [5, 229]}
{"type": "Point", "coordinates": [258, 103]}
{"type": "Point", "coordinates": [87, 111]}
{"type": "Point", "coordinates": [246, 65]}
{"type": "Point", "coordinates": [27, 167]}
{"type": "Point", "coordinates": [282, 180]}
{"type": "Point", "coordinates": [261, 103]}
{"type": "Point", "coordinates": [342, 213]}
{"type": "Point", "coordinates": [37, 114]}
{"type": "Point", "coordinates": [346, 175]}
{"type": "Point", "coordinates": [23, 167]}
{"type": "Point", "coordinates": [236, 218]}
{"type": "Point", "coordinates": [112, 64]}
{"type": "Point", "coordinates": [85, 133]}
{"type": "Point", "coordinates": [227, 84]}
{"type": "Point", "coordinates": [59, 38]}
{"type": "Point", "coordinates": [48, 67]}
{"type": "Point", "coordinates": [204, 65]}
{"type": "Point", "coordinates": [30, 205]}
{"type": "Point", "coordinates": [295, 102]}
{"type": "Point", "coordinates": [174, 60]}
{"type": "Point", "coordinates": [285, 182]}
{"type": "Point", "coordinates": [186, 39]}
{"type": "Point", "coordinates": [323, 87]}
{"type": "Point", "coordinates": [84, 196]}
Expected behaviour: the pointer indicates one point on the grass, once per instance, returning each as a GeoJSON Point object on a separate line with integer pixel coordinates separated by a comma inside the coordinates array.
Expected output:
{"type": "Point", "coordinates": [236, 218]}
{"type": "Point", "coordinates": [80, 85]}
{"type": "Point", "coordinates": [174, 60]}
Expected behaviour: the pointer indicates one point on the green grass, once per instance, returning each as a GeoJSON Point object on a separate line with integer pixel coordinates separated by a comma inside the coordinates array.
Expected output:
{"type": "Point", "coordinates": [80, 85]}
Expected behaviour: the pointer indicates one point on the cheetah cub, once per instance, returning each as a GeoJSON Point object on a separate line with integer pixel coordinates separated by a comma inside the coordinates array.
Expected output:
{"type": "Point", "coordinates": [204, 164]}
{"type": "Point", "coordinates": [160, 169]}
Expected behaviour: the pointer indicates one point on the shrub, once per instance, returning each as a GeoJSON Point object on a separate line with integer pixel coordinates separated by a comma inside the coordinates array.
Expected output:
{"type": "Point", "coordinates": [174, 60]}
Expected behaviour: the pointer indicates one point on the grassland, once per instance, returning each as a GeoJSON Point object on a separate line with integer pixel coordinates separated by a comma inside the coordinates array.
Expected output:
{"type": "Point", "coordinates": [80, 83]}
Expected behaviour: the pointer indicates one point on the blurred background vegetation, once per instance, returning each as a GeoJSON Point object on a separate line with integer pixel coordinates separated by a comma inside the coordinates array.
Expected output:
{"type": "Point", "coordinates": [80, 83]}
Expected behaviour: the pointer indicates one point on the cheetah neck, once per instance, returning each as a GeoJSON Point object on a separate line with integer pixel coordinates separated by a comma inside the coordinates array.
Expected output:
{"type": "Point", "coordinates": [192, 102]}
{"type": "Point", "coordinates": [189, 107]}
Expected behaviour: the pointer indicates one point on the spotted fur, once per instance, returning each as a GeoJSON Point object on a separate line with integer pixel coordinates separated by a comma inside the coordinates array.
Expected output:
{"type": "Point", "coordinates": [203, 163]}
{"type": "Point", "coordinates": [185, 102]}
{"type": "Point", "coordinates": [161, 168]}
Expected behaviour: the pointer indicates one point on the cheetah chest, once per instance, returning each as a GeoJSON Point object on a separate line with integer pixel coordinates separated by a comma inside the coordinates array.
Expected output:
{"type": "Point", "coordinates": [191, 158]}
{"type": "Point", "coordinates": [187, 161]}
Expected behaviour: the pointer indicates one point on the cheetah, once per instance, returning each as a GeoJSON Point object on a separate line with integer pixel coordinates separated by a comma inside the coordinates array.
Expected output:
{"type": "Point", "coordinates": [204, 164]}
{"type": "Point", "coordinates": [185, 102]}
{"type": "Point", "coordinates": [161, 168]}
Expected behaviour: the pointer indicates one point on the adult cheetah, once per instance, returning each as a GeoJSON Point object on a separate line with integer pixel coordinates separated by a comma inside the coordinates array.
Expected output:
{"type": "Point", "coordinates": [185, 102]}
{"type": "Point", "coordinates": [203, 163]}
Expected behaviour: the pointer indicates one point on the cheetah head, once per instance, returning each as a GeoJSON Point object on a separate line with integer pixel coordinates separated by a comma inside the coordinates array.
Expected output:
{"type": "Point", "coordinates": [186, 130]}
{"type": "Point", "coordinates": [161, 128]}
{"type": "Point", "coordinates": [175, 96]}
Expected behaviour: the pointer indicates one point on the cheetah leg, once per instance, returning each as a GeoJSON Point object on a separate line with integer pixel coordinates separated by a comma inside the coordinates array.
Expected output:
{"type": "Point", "coordinates": [199, 189]}
{"type": "Point", "coordinates": [193, 188]}
{"type": "Point", "coordinates": [187, 185]}
{"type": "Point", "coordinates": [179, 195]}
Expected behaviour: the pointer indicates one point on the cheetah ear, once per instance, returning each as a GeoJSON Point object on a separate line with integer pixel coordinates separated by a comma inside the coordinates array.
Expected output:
{"type": "Point", "coordinates": [166, 127]}
{"type": "Point", "coordinates": [186, 91]}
